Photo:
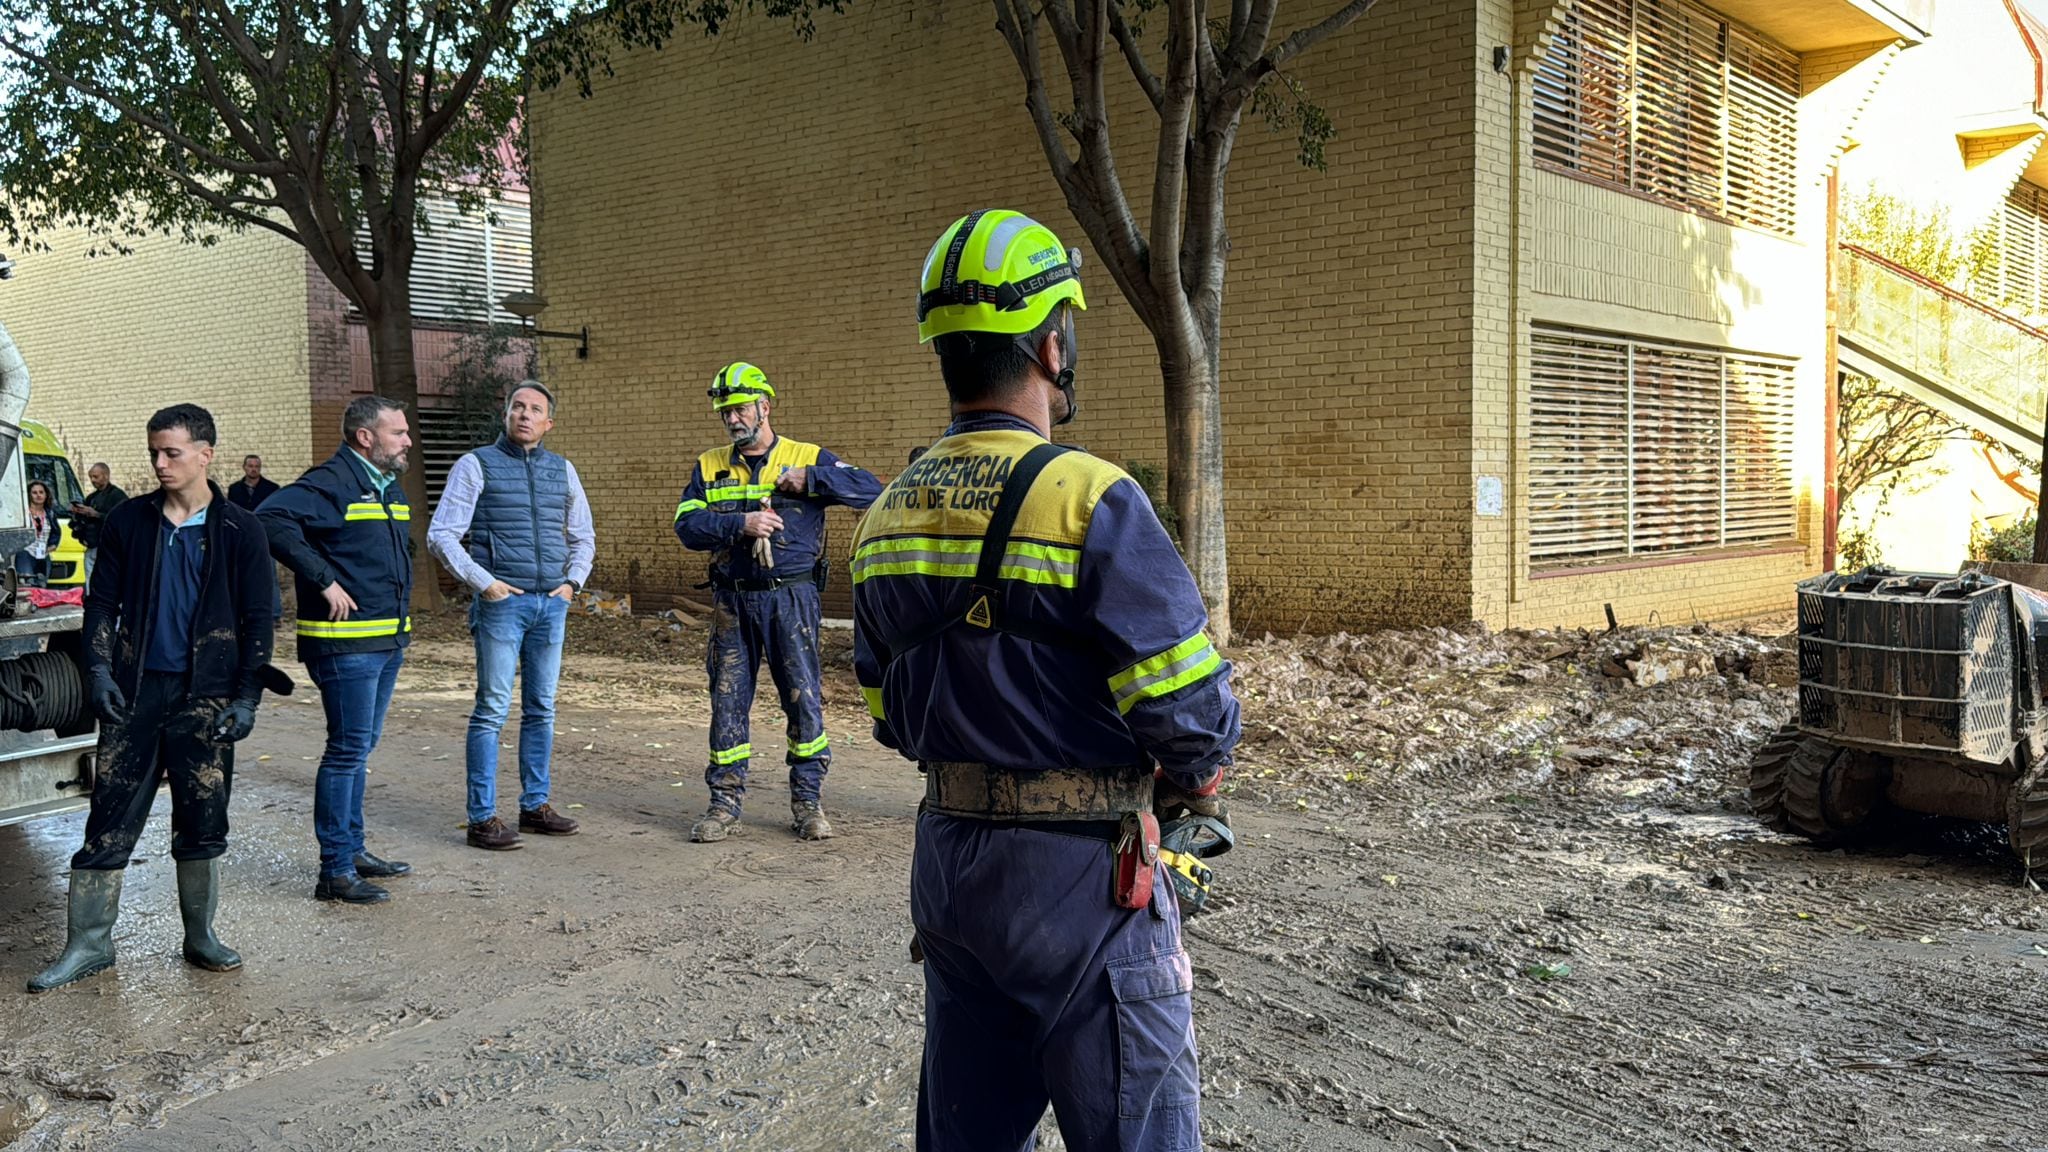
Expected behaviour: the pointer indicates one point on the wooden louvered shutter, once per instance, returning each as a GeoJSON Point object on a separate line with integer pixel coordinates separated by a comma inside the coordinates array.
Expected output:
{"type": "Point", "coordinates": [1675, 395]}
{"type": "Point", "coordinates": [1582, 91]}
{"type": "Point", "coordinates": [464, 263]}
{"type": "Point", "coordinates": [1761, 429]}
{"type": "Point", "coordinates": [1679, 96]}
{"type": "Point", "coordinates": [2023, 249]}
{"type": "Point", "coordinates": [448, 276]}
{"type": "Point", "coordinates": [1763, 128]}
{"type": "Point", "coordinates": [1637, 447]}
{"type": "Point", "coordinates": [1578, 448]}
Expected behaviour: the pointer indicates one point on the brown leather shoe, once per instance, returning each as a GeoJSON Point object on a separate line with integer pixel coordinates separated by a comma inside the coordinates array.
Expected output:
{"type": "Point", "coordinates": [493, 834]}
{"type": "Point", "coordinates": [546, 821]}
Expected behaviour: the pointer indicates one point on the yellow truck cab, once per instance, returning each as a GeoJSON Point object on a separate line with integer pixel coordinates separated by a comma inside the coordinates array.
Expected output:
{"type": "Point", "coordinates": [47, 462]}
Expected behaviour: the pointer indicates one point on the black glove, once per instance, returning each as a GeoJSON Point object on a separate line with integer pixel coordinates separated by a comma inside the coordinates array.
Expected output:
{"type": "Point", "coordinates": [235, 721]}
{"type": "Point", "coordinates": [107, 702]}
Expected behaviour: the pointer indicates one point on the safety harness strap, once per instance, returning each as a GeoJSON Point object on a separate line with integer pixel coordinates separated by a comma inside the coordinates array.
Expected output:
{"type": "Point", "coordinates": [980, 605]}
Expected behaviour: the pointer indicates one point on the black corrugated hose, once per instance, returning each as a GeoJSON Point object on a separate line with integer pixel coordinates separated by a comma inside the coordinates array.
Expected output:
{"type": "Point", "coordinates": [41, 690]}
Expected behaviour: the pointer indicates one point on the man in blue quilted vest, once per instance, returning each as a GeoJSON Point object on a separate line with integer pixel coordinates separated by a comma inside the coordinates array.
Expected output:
{"type": "Point", "coordinates": [513, 525]}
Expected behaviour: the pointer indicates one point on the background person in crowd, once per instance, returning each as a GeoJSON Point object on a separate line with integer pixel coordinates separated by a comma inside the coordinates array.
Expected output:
{"type": "Point", "coordinates": [32, 563]}
{"type": "Point", "coordinates": [88, 516]}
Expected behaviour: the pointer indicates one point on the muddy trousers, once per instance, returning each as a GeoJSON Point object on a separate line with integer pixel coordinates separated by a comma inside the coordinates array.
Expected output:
{"type": "Point", "coordinates": [1039, 989]}
{"type": "Point", "coordinates": [167, 734]}
{"type": "Point", "coordinates": [780, 628]}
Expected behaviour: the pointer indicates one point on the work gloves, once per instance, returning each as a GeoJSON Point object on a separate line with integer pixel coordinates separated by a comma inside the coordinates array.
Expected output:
{"type": "Point", "coordinates": [235, 721]}
{"type": "Point", "coordinates": [1172, 802]}
{"type": "Point", "coordinates": [107, 701]}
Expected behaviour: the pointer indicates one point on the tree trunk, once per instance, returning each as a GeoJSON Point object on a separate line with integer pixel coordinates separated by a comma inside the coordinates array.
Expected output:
{"type": "Point", "coordinates": [1194, 470]}
{"type": "Point", "coordinates": [396, 377]}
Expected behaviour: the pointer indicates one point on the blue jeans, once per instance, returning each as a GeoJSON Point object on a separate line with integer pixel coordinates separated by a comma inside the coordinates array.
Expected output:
{"type": "Point", "coordinates": [520, 634]}
{"type": "Point", "coordinates": [355, 690]}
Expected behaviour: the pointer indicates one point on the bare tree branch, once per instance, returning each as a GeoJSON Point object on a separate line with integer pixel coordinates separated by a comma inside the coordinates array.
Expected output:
{"type": "Point", "coordinates": [1134, 55]}
{"type": "Point", "coordinates": [233, 207]}
{"type": "Point", "coordinates": [1306, 38]}
{"type": "Point", "coordinates": [436, 123]}
{"type": "Point", "coordinates": [1249, 40]}
{"type": "Point", "coordinates": [1020, 30]}
{"type": "Point", "coordinates": [143, 117]}
{"type": "Point", "coordinates": [1169, 172]}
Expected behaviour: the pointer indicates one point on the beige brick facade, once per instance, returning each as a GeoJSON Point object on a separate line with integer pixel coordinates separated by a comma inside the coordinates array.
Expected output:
{"type": "Point", "coordinates": [765, 199]}
{"type": "Point", "coordinates": [761, 198]}
{"type": "Point", "coordinates": [110, 339]}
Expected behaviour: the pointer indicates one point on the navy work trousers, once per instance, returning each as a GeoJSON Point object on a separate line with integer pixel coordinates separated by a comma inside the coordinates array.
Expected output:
{"type": "Point", "coordinates": [780, 628]}
{"type": "Point", "coordinates": [1038, 989]}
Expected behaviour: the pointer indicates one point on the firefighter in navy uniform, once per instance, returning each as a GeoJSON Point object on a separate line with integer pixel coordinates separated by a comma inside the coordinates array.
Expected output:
{"type": "Point", "coordinates": [1026, 631]}
{"type": "Point", "coordinates": [757, 504]}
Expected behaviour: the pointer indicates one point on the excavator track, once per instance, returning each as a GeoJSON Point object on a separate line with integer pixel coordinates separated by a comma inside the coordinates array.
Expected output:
{"type": "Point", "coordinates": [1809, 786]}
{"type": "Point", "coordinates": [1785, 782]}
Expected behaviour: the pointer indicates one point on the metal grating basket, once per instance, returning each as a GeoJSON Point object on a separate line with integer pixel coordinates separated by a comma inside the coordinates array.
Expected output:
{"type": "Point", "coordinates": [1909, 661]}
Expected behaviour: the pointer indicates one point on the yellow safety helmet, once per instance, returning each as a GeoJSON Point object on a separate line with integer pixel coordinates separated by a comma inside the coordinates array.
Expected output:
{"type": "Point", "coordinates": [739, 383]}
{"type": "Point", "coordinates": [995, 271]}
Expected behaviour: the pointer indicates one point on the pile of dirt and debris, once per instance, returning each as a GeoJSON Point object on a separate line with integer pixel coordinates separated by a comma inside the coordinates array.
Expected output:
{"type": "Point", "coordinates": [1655, 712]}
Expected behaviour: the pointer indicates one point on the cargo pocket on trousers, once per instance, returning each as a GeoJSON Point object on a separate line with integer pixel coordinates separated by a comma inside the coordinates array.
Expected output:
{"type": "Point", "coordinates": [1155, 1041]}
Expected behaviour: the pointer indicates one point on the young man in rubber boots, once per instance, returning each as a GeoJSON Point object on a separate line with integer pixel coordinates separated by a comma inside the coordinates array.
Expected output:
{"type": "Point", "coordinates": [178, 626]}
{"type": "Point", "coordinates": [757, 504]}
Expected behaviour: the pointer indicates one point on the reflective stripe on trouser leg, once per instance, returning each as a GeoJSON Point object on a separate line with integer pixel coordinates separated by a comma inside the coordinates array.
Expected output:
{"type": "Point", "coordinates": [733, 655]}
{"type": "Point", "coordinates": [792, 655]}
{"type": "Point", "coordinates": [1091, 1010]}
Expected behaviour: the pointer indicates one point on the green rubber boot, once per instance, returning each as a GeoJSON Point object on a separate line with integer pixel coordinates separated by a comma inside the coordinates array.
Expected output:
{"type": "Point", "coordinates": [89, 940]}
{"type": "Point", "coordinates": [198, 896]}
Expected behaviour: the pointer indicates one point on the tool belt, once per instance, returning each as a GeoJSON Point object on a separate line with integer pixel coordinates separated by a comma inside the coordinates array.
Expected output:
{"type": "Point", "coordinates": [1058, 795]}
{"type": "Point", "coordinates": [728, 584]}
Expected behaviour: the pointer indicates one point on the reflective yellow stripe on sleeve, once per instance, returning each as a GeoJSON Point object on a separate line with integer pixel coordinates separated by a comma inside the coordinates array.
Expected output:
{"type": "Point", "coordinates": [1187, 662]}
{"type": "Point", "coordinates": [689, 506]}
{"type": "Point", "coordinates": [874, 699]}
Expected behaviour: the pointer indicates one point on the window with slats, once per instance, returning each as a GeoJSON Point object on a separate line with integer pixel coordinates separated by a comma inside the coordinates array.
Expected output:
{"type": "Point", "coordinates": [1668, 98]}
{"type": "Point", "coordinates": [464, 262]}
{"type": "Point", "coordinates": [1641, 448]}
{"type": "Point", "coordinates": [2023, 250]}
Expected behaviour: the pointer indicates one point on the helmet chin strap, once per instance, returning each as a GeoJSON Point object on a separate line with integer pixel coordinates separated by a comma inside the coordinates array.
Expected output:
{"type": "Point", "coordinates": [1065, 383]}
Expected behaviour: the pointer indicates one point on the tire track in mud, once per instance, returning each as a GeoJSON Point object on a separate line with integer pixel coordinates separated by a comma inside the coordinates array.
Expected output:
{"type": "Point", "coordinates": [1694, 1017]}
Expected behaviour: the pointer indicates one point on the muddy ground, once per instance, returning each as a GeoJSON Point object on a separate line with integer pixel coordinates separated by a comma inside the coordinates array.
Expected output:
{"type": "Point", "coordinates": [1492, 893]}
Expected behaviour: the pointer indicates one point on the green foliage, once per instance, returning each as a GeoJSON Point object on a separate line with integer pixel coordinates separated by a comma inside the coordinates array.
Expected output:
{"type": "Point", "coordinates": [1857, 550]}
{"type": "Point", "coordinates": [2014, 542]}
{"type": "Point", "coordinates": [1920, 239]}
{"type": "Point", "coordinates": [1285, 105]}
{"type": "Point", "coordinates": [1152, 479]}
{"type": "Point", "coordinates": [313, 119]}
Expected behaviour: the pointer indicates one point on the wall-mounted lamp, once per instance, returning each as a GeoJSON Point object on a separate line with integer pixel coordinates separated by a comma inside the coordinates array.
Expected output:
{"type": "Point", "coordinates": [527, 305]}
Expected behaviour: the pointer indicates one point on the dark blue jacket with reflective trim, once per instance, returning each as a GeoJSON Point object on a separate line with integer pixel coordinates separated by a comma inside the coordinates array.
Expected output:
{"type": "Point", "coordinates": [725, 486]}
{"type": "Point", "coordinates": [1116, 669]}
{"type": "Point", "coordinates": [332, 526]}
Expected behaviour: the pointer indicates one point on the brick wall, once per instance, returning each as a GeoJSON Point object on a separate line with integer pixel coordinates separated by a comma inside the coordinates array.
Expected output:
{"type": "Point", "coordinates": [110, 339]}
{"type": "Point", "coordinates": [760, 198]}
